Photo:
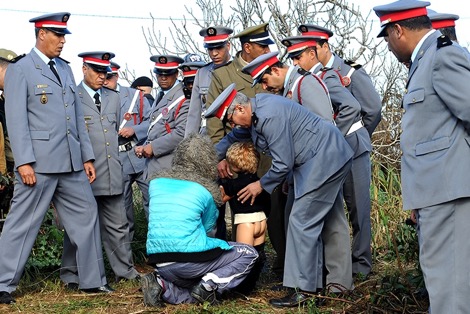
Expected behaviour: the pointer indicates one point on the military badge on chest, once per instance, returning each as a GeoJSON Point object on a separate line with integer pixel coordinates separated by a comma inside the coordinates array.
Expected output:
{"type": "Point", "coordinates": [165, 113]}
{"type": "Point", "coordinates": [43, 99]}
{"type": "Point", "coordinates": [127, 116]}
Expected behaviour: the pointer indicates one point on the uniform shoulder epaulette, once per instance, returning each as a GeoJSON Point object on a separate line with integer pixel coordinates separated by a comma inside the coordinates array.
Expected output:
{"type": "Point", "coordinates": [353, 64]}
{"type": "Point", "coordinates": [302, 71]}
{"type": "Point", "coordinates": [17, 58]}
{"type": "Point", "coordinates": [325, 69]}
{"type": "Point", "coordinates": [443, 41]}
{"type": "Point", "coordinates": [63, 60]}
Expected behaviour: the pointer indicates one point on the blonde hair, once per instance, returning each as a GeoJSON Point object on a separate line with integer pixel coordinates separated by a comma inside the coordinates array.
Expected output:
{"type": "Point", "coordinates": [244, 156]}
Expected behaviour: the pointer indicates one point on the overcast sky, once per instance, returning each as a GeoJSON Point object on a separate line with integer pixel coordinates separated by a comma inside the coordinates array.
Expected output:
{"type": "Point", "coordinates": [117, 27]}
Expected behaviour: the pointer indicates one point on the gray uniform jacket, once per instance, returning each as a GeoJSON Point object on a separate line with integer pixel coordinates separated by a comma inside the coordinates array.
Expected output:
{"type": "Point", "coordinates": [362, 88]}
{"type": "Point", "coordinates": [222, 77]}
{"type": "Point", "coordinates": [102, 128]}
{"type": "Point", "coordinates": [56, 140]}
{"type": "Point", "coordinates": [130, 162]}
{"type": "Point", "coordinates": [309, 91]}
{"type": "Point", "coordinates": [348, 110]}
{"type": "Point", "coordinates": [436, 126]}
{"type": "Point", "coordinates": [163, 141]}
{"type": "Point", "coordinates": [201, 85]}
{"type": "Point", "coordinates": [296, 139]}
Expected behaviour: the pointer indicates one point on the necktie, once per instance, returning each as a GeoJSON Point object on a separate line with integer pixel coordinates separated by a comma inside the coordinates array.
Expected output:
{"type": "Point", "coordinates": [51, 66]}
{"type": "Point", "coordinates": [97, 101]}
{"type": "Point", "coordinates": [160, 96]}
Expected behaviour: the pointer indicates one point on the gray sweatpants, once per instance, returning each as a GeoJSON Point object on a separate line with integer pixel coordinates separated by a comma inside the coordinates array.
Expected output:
{"type": "Point", "coordinates": [224, 273]}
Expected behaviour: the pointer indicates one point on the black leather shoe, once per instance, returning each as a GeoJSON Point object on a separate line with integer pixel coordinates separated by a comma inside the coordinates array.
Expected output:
{"type": "Point", "coordinates": [202, 295]}
{"type": "Point", "coordinates": [292, 299]}
{"type": "Point", "coordinates": [72, 286]}
{"type": "Point", "coordinates": [6, 298]}
{"type": "Point", "coordinates": [152, 290]}
{"type": "Point", "coordinates": [103, 289]}
{"type": "Point", "coordinates": [280, 287]}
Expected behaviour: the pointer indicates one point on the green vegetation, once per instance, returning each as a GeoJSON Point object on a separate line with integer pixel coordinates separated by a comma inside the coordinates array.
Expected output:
{"type": "Point", "coordinates": [391, 288]}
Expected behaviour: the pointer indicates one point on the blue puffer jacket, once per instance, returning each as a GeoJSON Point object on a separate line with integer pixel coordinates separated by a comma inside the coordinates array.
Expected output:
{"type": "Point", "coordinates": [181, 213]}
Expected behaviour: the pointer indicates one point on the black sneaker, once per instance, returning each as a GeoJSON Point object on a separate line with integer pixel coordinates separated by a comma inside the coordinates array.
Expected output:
{"type": "Point", "coordinates": [202, 295]}
{"type": "Point", "coordinates": [152, 290]}
{"type": "Point", "coordinates": [6, 298]}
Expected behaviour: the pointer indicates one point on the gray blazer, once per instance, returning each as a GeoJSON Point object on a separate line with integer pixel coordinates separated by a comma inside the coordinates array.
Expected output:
{"type": "Point", "coordinates": [362, 88]}
{"type": "Point", "coordinates": [348, 110]}
{"type": "Point", "coordinates": [201, 85]}
{"type": "Point", "coordinates": [55, 140]}
{"type": "Point", "coordinates": [130, 162]}
{"type": "Point", "coordinates": [313, 94]}
{"type": "Point", "coordinates": [163, 141]}
{"type": "Point", "coordinates": [436, 125]}
{"type": "Point", "coordinates": [297, 140]}
{"type": "Point", "coordinates": [102, 128]}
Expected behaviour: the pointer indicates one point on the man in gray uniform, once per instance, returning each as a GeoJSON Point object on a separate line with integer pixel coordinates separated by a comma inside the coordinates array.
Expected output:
{"type": "Point", "coordinates": [445, 23]}
{"type": "Point", "coordinates": [435, 145]}
{"type": "Point", "coordinates": [319, 158]}
{"type": "Point", "coordinates": [167, 119]}
{"type": "Point", "coordinates": [356, 189]}
{"type": "Point", "coordinates": [310, 91]}
{"type": "Point", "coordinates": [53, 160]}
{"type": "Point", "coordinates": [133, 125]}
{"type": "Point", "coordinates": [101, 108]}
{"type": "Point", "coordinates": [218, 48]}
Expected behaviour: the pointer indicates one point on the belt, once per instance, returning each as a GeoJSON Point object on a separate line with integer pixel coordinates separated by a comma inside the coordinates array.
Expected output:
{"type": "Point", "coordinates": [356, 126]}
{"type": "Point", "coordinates": [126, 147]}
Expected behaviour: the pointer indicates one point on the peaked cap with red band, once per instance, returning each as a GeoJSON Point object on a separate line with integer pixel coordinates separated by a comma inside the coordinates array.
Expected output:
{"type": "Point", "coordinates": [98, 60]}
{"type": "Point", "coordinates": [257, 67]}
{"type": "Point", "coordinates": [166, 64]}
{"type": "Point", "coordinates": [215, 36]}
{"type": "Point", "coordinates": [315, 31]}
{"type": "Point", "coordinates": [221, 103]}
{"type": "Point", "coordinates": [114, 68]}
{"type": "Point", "coordinates": [55, 22]}
{"type": "Point", "coordinates": [297, 44]}
{"type": "Point", "coordinates": [442, 20]}
{"type": "Point", "coordinates": [399, 11]}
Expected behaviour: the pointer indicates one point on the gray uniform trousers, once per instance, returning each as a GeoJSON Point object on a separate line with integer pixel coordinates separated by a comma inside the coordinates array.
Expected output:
{"type": "Point", "coordinates": [76, 207]}
{"type": "Point", "coordinates": [356, 192]}
{"type": "Point", "coordinates": [307, 220]}
{"type": "Point", "coordinates": [129, 199]}
{"type": "Point", "coordinates": [225, 272]}
{"type": "Point", "coordinates": [335, 242]}
{"type": "Point", "coordinates": [444, 253]}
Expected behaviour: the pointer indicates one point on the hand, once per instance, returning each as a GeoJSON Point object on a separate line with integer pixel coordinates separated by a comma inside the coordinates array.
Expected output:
{"type": "Point", "coordinates": [224, 169]}
{"type": "Point", "coordinates": [127, 132]}
{"type": "Point", "coordinates": [90, 171]}
{"type": "Point", "coordinates": [225, 197]}
{"type": "Point", "coordinates": [252, 190]}
{"type": "Point", "coordinates": [148, 151]}
{"type": "Point", "coordinates": [27, 174]}
{"type": "Point", "coordinates": [139, 150]}
{"type": "Point", "coordinates": [413, 216]}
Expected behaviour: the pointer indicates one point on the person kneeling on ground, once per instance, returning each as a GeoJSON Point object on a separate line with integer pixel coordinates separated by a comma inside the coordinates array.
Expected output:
{"type": "Point", "coordinates": [190, 265]}
{"type": "Point", "coordinates": [250, 219]}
